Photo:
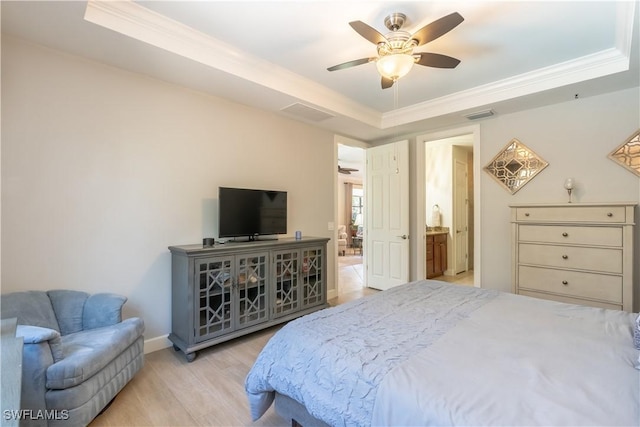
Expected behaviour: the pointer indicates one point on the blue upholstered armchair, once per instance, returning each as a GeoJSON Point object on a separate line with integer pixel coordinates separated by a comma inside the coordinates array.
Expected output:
{"type": "Point", "coordinates": [78, 353]}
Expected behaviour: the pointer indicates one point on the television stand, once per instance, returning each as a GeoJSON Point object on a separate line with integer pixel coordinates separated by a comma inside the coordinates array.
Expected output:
{"type": "Point", "coordinates": [224, 291]}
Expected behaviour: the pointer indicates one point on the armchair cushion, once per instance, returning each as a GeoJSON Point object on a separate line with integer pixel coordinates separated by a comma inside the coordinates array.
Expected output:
{"type": "Point", "coordinates": [68, 306]}
{"type": "Point", "coordinates": [37, 335]}
{"type": "Point", "coordinates": [39, 313]}
{"type": "Point", "coordinates": [88, 352]}
{"type": "Point", "coordinates": [102, 310]}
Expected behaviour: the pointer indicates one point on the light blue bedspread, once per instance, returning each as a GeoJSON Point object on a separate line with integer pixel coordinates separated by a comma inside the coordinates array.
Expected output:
{"type": "Point", "coordinates": [318, 359]}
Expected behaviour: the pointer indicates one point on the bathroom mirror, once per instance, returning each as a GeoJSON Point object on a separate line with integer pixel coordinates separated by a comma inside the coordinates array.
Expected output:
{"type": "Point", "coordinates": [515, 165]}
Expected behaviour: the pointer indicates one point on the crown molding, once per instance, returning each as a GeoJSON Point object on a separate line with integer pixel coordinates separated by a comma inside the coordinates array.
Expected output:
{"type": "Point", "coordinates": [588, 67]}
{"type": "Point", "coordinates": [599, 64]}
{"type": "Point", "coordinates": [135, 21]}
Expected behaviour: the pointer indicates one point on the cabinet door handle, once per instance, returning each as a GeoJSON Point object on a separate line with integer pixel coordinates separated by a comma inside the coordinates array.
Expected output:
{"type": "Point", "coordinates": [565, 234]}
{"type": "Point", "coordinates": [565, 256]}
{"type": "Point", "coordinates": [564, 282]}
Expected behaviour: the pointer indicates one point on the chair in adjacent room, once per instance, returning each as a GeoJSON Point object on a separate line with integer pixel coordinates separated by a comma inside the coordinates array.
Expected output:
{"type": "Point", "coordinates": [342, 240]}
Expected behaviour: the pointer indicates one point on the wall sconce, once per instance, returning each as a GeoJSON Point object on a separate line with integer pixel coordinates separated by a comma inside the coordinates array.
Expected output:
{"type": "Point", "coordinates": [569, 184]}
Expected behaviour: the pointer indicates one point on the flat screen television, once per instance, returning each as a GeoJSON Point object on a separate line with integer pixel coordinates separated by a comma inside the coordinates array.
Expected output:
{"type": "Point", "coordinates": [251, 213]}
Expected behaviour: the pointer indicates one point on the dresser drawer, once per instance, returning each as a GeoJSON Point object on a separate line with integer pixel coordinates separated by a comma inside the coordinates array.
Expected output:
{"type": "Point", "coordinates": [580, 235]}
{"type": "Point", "coordinates": [609, 214]}
{"type": "Point", "coordinates": [572, 283]}
{"type": "Point", "coordinates": [570, 300]}
{"type": "Point", "coordinates": [593, 259]}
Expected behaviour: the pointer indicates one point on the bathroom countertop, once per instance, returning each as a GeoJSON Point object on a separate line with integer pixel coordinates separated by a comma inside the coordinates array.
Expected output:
{"type": "Point", "coordinates": [432, 231]}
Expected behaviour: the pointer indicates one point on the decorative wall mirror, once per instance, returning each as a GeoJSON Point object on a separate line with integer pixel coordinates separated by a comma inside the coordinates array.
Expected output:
{"type": "Point", "coordinates": [628, 154]}
{"type": "Point", "coordinates": [515, 165]}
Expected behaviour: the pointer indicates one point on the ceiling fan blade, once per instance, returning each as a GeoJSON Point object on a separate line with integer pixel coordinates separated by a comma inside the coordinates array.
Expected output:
{"type": "Point", "coordinates": [351, 64]}
{"type": "Point", "coordinates": [436, 60]}
{"type": "Point", "coordinates": [386, 83]}
{"type": "Point", "coordinates": [437, 28]}
{"type": "Point", "coordinates": [368, 32]}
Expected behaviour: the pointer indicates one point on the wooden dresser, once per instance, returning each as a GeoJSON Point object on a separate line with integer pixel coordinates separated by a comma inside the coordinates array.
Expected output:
{"type": "Point", "coordinates": [580, 253]}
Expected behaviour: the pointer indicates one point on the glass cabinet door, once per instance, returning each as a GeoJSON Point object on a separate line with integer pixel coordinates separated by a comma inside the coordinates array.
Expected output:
{"type": "Point", "coordinates": [252, 296]}
{"type": "Point", "coordinates": [214, 287]}
{"type": "Point", "coordinates": [286, 266]}
{"type": "Point", "coordinates": [312, 280]}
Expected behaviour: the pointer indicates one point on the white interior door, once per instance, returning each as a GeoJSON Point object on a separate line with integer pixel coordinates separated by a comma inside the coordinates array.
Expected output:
{"type": "Point", "coordinates": [387, 207]}
{"type": "Point", "coordinates": [460, 216]}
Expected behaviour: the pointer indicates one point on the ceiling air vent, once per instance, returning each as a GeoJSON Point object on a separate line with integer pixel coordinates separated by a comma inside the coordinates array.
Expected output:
{"type": "Point", "coordinates": [480, 115]}
{"type": "Point", "coordinates": [307, 112]}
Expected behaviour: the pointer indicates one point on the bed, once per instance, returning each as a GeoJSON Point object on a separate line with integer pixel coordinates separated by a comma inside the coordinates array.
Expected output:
{"type": "Point", "coordinates": [432, 353]}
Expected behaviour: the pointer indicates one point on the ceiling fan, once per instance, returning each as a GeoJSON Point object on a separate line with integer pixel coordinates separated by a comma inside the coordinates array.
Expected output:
{"type": "Point", "coordinates": [395, 50]}
{"type": "Point", "coordinates": [346, 171]}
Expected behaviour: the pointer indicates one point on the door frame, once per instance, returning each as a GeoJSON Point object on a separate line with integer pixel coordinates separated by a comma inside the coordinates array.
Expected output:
{"type": "Point", "coordinates": [460, 244]}
{"type": "Point", "coordinates": [418, 206]}
{"type": "Point", "coordinates": [333, 226]}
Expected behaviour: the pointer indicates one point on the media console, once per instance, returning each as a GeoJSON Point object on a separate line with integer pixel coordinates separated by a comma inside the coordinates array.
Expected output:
{"type": "Point", "coordinates": [225, 291]}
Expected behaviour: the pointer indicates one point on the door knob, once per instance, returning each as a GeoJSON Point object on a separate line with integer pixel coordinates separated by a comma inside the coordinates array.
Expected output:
{"type": "Point", "coordinates": [404, 237]}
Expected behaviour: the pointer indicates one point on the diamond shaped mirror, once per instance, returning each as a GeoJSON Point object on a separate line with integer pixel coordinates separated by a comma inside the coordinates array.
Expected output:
{"type": "Point", "coordinates": [515, 165]}
{"type": "Point", "coordinates": [628, 154]}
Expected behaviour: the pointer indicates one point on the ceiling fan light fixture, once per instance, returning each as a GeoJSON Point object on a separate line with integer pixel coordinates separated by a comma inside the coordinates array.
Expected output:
{"type": "Point", "coordinates": [395, 66]}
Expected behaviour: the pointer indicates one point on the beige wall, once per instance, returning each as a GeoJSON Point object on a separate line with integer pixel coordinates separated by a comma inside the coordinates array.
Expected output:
{"type": "Point", "coordinates": [575, 137]}
{"type": "Point", "coordinates": [103, 169]}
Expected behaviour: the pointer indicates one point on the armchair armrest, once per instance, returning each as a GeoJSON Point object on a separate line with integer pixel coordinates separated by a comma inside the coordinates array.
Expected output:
{"type": "Point", "coordinates": [42, 348]}
{"type": "Point", "coordinates": [102, 310]}
{"type": "Point", "coordinates": [38, 335]}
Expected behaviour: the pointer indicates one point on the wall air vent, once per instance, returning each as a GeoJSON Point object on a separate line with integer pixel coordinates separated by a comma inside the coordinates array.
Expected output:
{"type": "Point", "coordinates": [306, 112]}
{"type": "Point", "coordinates": [480, 114]}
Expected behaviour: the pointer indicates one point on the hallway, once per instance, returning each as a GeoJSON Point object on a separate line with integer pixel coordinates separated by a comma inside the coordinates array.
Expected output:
{"type": "Point", "coordinates": [351, 279]}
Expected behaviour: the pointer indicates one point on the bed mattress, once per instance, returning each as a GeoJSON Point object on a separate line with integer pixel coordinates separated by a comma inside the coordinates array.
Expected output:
{"type": "Point", "coordinates": [431, 353]}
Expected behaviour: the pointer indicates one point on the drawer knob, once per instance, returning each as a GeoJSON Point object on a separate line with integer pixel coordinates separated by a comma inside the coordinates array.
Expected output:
{"type": "Point", "coordinates": [526, 214]}
{"type": "Point", "coordinates": [565, 234]}
{"type": "Point", "coordinates": [564, 282]}
{"type": "Point", "coordinates": [610, 214]}
{"type": "Point", "coordinates": [565, 256]}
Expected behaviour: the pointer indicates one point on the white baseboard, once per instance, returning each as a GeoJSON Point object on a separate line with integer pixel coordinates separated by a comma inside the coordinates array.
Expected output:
{"type": "Point", "coordinates": [157, 343]}
{"type": "Point", "coordinates": [332, 293]}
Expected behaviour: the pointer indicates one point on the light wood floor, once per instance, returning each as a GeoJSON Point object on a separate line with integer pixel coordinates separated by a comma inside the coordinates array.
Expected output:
{"type": "Point", "coordinates": [209, 391]}
{"type": "Point", "coordinates": [465, 278]}
{"type": "Point", "coordinates": [169, 391]}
